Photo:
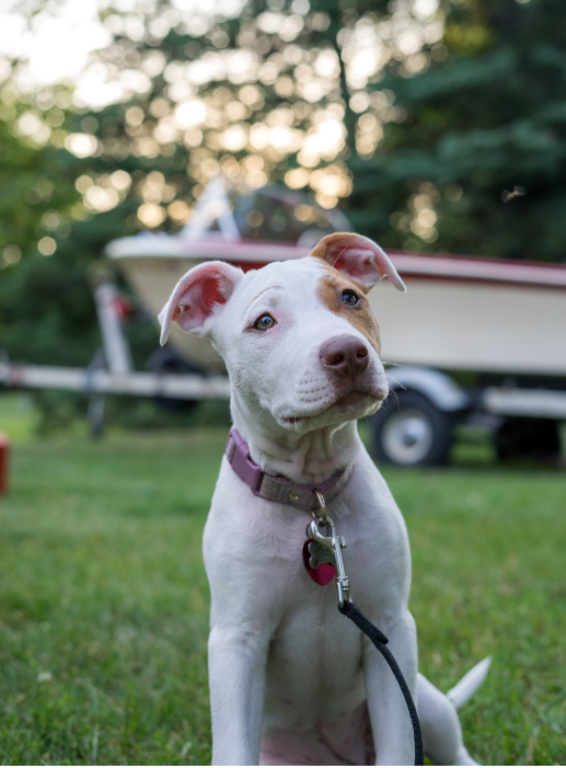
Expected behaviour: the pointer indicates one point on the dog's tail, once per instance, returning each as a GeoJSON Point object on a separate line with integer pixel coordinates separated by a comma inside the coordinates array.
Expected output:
{"type": "Point", "coordinates": [469, 684]}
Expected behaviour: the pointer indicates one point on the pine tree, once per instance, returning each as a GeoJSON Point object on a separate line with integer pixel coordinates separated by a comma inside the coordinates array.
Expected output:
{"type": "Point", "coordinates": [482, 144]}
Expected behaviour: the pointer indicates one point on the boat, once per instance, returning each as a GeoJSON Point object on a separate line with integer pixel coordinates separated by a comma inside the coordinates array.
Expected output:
{"type": "Point", "coordinates": [460, 313]}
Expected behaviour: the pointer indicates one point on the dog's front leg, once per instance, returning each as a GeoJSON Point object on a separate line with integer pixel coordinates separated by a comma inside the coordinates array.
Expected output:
{"type": "Point", "coordinates": [237, 659]}
{"type": "Point", "coordinates": [390, 722]}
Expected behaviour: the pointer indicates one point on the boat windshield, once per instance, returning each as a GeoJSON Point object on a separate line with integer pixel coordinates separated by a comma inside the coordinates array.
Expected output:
{"type": "Point", "coordinates": [275, 213]}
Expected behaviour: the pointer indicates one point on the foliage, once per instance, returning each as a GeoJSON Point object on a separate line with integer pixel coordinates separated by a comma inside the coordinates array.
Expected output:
{"type": "Point", "coordinates": [487, 118]}
{"type": "Point", "coordinates": [104, 600]}
{"type": "Point", "coordinates": [46, 309]}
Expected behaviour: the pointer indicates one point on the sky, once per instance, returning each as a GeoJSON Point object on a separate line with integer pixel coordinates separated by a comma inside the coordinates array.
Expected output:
{"type": "Point", "coordinates": [58, 41]}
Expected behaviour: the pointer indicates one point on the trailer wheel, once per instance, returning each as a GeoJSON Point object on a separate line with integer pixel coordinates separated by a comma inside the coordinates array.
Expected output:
{"type": "Point", "coordinates": [528, 439]}
{"type": "Point", "coordinates": [165, 360]}
{"type": "Point", "coordinates": [409, 431]}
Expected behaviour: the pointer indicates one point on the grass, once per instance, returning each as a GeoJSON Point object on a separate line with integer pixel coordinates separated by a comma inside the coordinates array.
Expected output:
{"type": "Point", "coordinates": [104, 602]}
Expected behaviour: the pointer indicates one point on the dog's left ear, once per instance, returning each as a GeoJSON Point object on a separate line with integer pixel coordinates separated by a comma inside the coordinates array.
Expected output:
{"type": "Point", "coordinates": [198, 297]}
{"type": "Point", "coordinates": [357, 257]}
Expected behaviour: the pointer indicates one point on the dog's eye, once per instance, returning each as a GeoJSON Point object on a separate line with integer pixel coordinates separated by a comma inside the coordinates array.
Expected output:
{"type": "Point", "coordinates": [350, 298]}
{"type": "Point", "coordinates": [264, 323]}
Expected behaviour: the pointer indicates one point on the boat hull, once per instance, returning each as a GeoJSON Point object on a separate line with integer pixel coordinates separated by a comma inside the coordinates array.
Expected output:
{"type": "Point", "coordinates": [457, 314]}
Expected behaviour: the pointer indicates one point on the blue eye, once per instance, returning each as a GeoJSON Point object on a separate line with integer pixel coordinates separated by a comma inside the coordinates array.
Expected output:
{"type": "Point", "coordinates": [350, 298]}
{"type": "Point", "coordinates": [264, 323]}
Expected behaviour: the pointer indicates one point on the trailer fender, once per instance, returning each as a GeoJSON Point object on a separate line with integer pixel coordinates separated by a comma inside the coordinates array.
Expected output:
{"type": "Point", "coordinates": [440, 389]}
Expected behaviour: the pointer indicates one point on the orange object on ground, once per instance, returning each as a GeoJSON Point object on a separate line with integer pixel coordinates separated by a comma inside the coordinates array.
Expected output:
{"type": "Point", "coordinates": [4, 451]}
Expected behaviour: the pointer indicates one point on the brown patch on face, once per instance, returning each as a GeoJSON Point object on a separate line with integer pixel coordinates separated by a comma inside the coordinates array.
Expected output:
{"type": "Point", "coordinates": [330, 291]}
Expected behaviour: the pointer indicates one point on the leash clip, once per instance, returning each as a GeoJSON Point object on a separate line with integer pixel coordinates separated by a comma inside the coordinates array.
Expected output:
{"type": "Point", "coordinates": [334, 544]}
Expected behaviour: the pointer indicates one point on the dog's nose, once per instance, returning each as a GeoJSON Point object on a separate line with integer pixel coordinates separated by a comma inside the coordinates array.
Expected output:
{"type": "Point", "coordinates": [345, 356]}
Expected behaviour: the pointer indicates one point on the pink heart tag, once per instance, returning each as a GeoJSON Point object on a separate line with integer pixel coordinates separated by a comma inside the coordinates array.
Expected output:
{"type": "Point", "coordinates": [321, 575]}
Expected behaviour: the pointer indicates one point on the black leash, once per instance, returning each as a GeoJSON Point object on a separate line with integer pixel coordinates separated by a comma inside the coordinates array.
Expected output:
{"type": "Point", "coordinates": [380, 641]}
{"type": "Point", "coordinates": [323, 549]}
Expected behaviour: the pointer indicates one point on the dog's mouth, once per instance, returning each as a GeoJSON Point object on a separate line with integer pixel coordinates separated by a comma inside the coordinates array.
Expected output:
{"type": "Point", "coordinates": [346, 404]}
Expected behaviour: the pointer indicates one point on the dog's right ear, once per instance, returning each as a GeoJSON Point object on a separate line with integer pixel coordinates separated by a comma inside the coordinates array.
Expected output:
{"type": "Point", "coordinates": [357, 257]}
{"type": "Point", "coordinates": [198, 296]}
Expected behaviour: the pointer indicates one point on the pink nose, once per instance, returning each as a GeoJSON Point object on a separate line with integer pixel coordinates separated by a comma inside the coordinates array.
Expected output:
{"type": "Point", "coordinates": [345, 356]}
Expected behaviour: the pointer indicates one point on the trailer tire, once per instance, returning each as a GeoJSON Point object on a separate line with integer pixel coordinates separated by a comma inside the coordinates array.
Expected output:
{"type": "Point", "coordinates": [528, 439]}
{"type": "Point", "coordinates": [165, 360]}
{"type": "Point", "coordinates": [409, 431]}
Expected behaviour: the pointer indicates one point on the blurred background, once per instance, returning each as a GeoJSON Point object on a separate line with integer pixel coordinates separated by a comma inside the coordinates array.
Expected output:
{"type": "Point", "coordinates": [433, 126]}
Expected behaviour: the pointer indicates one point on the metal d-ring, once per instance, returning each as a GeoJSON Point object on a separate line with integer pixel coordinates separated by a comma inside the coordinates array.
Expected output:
{"type": "Point", "coordinates": [322, 505]}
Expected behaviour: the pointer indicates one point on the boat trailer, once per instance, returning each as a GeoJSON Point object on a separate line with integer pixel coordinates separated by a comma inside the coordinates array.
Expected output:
{"type": "Point", "coordinates": [111, 373]}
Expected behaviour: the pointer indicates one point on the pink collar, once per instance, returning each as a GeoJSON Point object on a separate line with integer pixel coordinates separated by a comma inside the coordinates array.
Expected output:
{"type": "Point", "coordinates": [277, 487]}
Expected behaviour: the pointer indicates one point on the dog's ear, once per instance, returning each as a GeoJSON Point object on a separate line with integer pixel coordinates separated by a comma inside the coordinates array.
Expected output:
{"type": "Point", "coordinates": [357, 257]}
{"type": "Point", "coordinates": [198, 296]}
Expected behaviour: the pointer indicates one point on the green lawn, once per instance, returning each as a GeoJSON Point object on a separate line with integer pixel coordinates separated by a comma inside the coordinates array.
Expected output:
{"type": "Point", "coordinates": [103, 598]}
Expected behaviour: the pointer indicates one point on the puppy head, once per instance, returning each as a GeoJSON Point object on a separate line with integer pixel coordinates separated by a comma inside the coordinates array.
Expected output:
{"type": "Point", "coordinates": [298, 337]}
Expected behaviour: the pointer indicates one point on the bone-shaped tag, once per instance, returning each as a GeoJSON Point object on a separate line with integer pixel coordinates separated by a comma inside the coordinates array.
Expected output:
{"type": "Point", "coordinates": [319, 554]}
{"type": "Point", "coordinates": [319, 562]}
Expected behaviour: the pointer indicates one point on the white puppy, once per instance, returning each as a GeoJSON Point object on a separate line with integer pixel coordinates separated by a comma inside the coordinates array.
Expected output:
{"type": "Point", "coordinates": [292, 681]}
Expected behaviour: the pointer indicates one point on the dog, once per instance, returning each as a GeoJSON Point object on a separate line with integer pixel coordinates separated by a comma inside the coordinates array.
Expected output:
{"type": "Point", "coordinates": [292, 682]}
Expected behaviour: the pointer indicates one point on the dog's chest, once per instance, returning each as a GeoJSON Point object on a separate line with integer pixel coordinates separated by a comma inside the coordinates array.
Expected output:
{"type": "Point", "coordinates": [315, 662]}
{"type": "Point", "coordinates": [314, 667]}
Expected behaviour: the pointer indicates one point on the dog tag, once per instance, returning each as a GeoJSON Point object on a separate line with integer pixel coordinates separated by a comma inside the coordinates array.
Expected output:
{"type": "Point", "coordinates": [319, 562]}
{"type": "Point", "coordinates": [319, 554]}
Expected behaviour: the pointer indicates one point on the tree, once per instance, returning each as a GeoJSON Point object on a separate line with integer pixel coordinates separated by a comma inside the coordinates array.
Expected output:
{"type": "Point", "coordinates": [420, 119]}
{"type": "Point", "coordinates": [48, 241]}
{"type": "Point", "coordinates": [478, 163]}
